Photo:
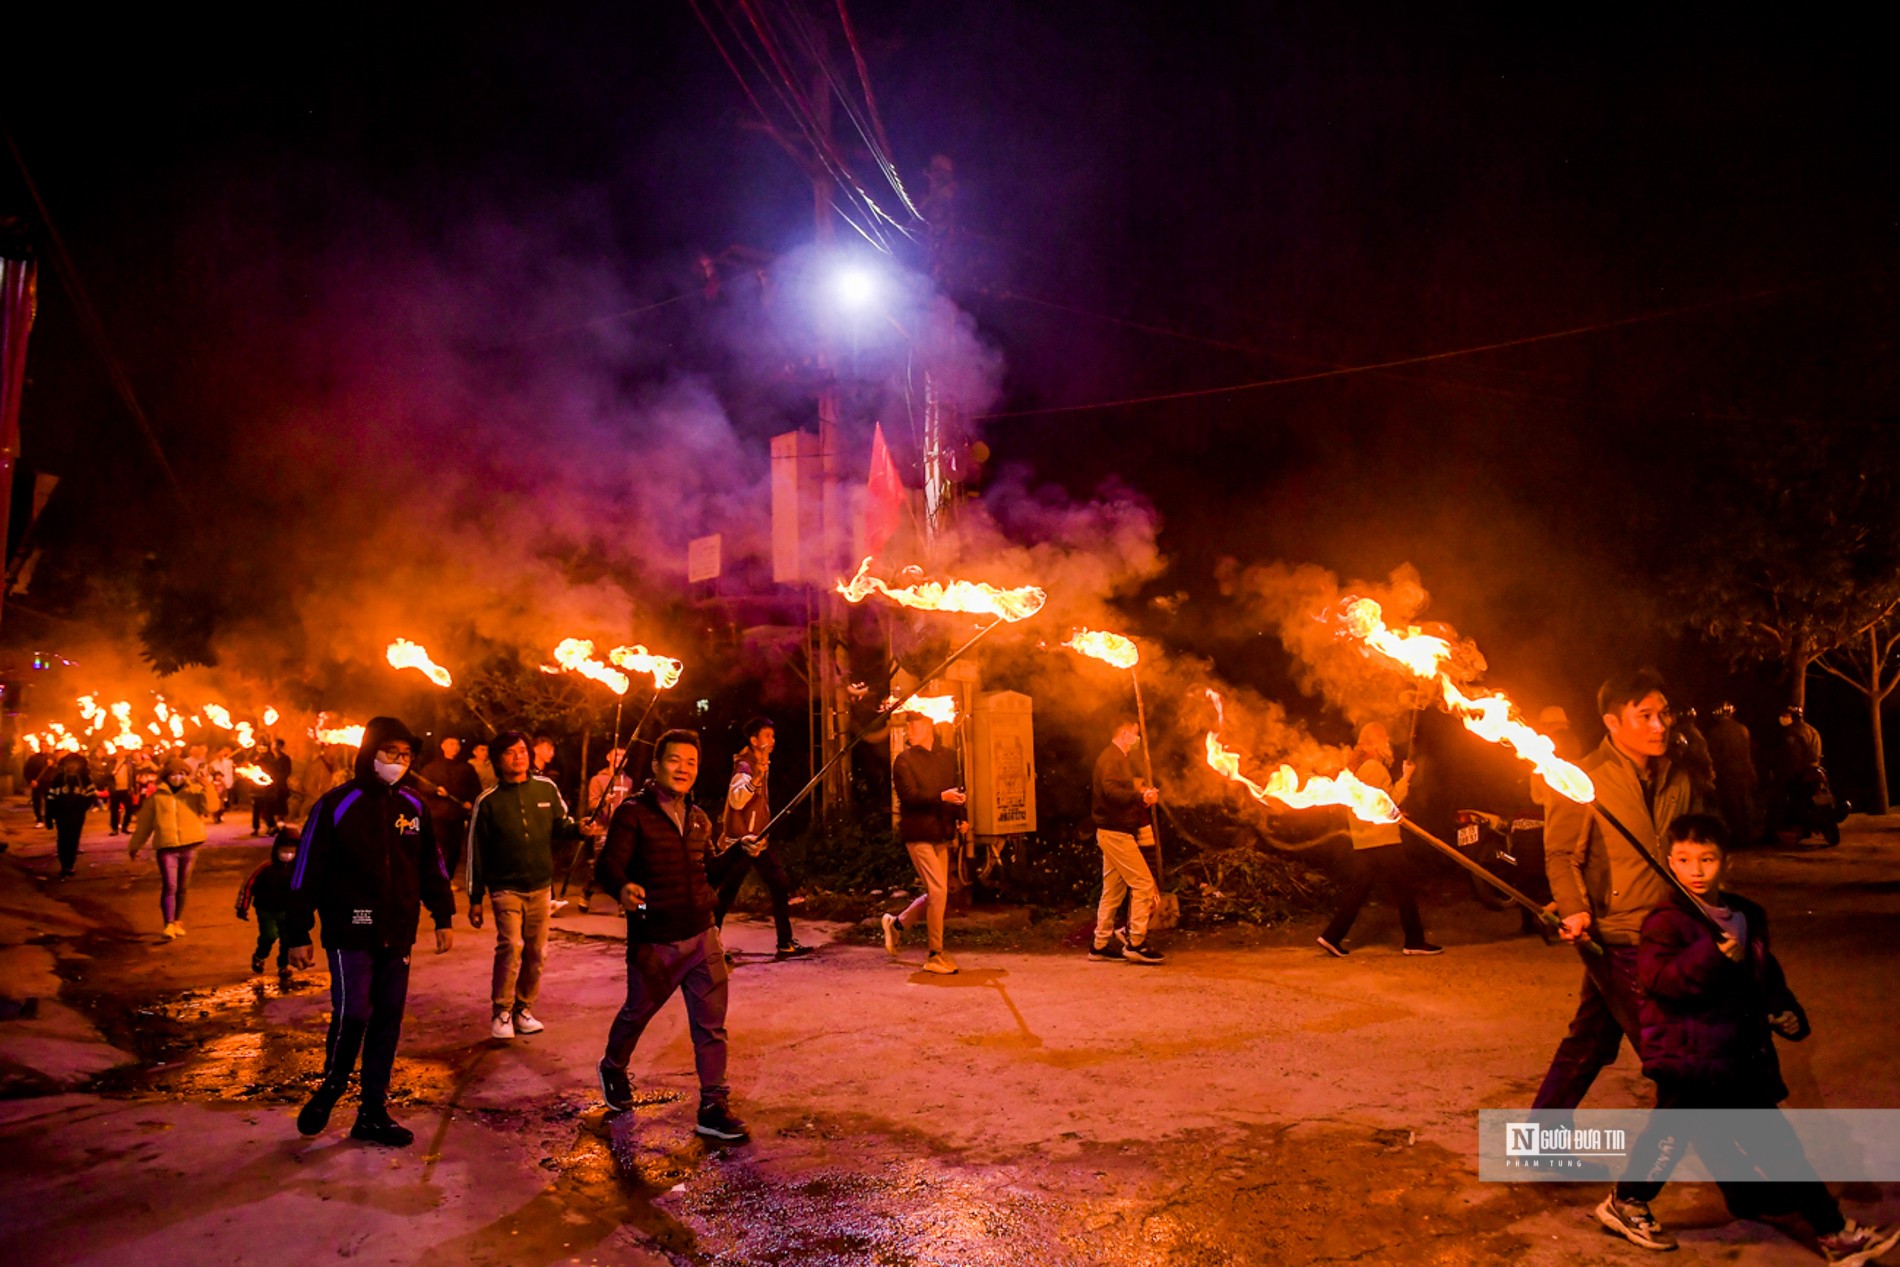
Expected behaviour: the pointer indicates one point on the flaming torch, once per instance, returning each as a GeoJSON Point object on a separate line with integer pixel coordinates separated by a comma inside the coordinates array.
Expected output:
{"type": "Point", "coordinates": [971, 597]}
{"type": "Point", "coordinates": [255, 774]}
{"type": "Point", "coordinates": [637, 659]}
{"type": "Point", "coordinates": [404, 654]}
{"type": "Point", "coordinates": [940, 709]}
{"type": "Point", "coordinates": [1362, 800]}
{"type": "Point", "coordinates": [350, 736]}
{"type": "Point", "coordinates": [220, 716]}
{"type": "Point", "coordinates": [270, 715]}
{"type": "Point", "coordinates": [576, 655]}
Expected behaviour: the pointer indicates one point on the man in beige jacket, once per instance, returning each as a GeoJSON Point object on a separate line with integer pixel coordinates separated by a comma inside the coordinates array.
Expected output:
{"type": "Point", "coordinates": [1603, 888]}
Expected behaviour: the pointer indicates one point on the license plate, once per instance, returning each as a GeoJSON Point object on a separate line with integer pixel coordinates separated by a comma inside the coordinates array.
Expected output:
{"type": "Point", "coordinates": [1468, 834]}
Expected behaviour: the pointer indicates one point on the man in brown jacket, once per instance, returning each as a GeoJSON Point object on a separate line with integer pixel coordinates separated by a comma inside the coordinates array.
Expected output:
{"type": "Point", "coordinates": [1603, 888]}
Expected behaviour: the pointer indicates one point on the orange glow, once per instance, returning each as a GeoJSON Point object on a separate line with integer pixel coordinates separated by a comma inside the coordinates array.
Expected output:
{"type": "Point", "coordinates": [940, 709]}
{"type": "Point", "coordinates": [971, 597]}
{"type": "Point", "coordinates": [1491, 717]}
{"type": "Point", "coordinates": [404, 654]}
{"type": "Point", "coordinates": [254, 774]}
{"type": "Point", "coordinates": [576, 655]}
{"type": "Point", "coordinates": [1109, 648]}
{"type": "Point", "coordinates": [1366, 803]}
{"type": "Point", "coordinates": [637, 659]}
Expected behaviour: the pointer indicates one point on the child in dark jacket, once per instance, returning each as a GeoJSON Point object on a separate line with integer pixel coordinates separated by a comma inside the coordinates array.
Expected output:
{"type": "Point", "coordinates": [1711, 1006]}
{"type": "Point", "coordinates": [268, 891]}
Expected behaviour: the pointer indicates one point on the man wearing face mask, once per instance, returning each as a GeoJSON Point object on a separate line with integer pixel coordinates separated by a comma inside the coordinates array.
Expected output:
{"type": "Point", "coordinates": [654, 862]}
{"type": "Point", "coordinates": [366, 862]}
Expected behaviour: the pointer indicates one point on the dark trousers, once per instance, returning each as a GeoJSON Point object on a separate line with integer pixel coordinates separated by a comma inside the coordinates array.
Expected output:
{"type": "Point", "coordinates": [264, 811]}
{"type": "Point", "coordinates": [696, 968]}
{"type": "Point", "coordinates": [1389, 867]}
{"type": "Point", "coordinates": [68, 815]}
{"type": "Point", "coordinates": [729, 874]}
{"type": "Point", "coordinates": [39, 803]}
{"type": "Point", "coordinates": [368, 989]}
{"type": "Point", "coordinates": [269, 926]}
{"type": "Point", "coordinates": [1763, 1141]}
{"type": "Point", "coordinates": [451, 834]}
{"type": "Point", "coordinates": [119, 811]}
{"type": "Point", "coordinates": [1606, 1012]}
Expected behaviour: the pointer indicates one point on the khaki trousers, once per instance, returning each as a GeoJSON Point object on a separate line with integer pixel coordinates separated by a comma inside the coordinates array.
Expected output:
{"type": "Point", "coordinates": [521, 946]}
{"type": "Point", "coordinates": [932, 860]}
{"type": "Point", "coordinates": [1125, 874]}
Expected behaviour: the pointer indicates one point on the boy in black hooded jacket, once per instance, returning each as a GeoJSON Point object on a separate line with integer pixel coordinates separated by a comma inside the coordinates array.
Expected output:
{"type": "Point", "coordinates": [368, 859]}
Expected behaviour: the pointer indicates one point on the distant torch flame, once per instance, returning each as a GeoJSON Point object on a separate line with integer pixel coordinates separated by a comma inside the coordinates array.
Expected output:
{"type": "Point", "coordinates": [1493, 718]}
{"type": "Point", "coordinates": [220, 716]}
{"type": "Point", "coordinates": [637, 659]}
{"type": "Point", "coordinates": [254, 774]}
{"type": "Point", "coordinates": [270, 716]}
{"type": "Point", "coordinates": [576, 655]}
{"type": "Point", "coordinates": [404, 654]}
{"type": "Point", "coordinates": [940, 709]}
{"type": "Point", "coordinates": [351, 736]}
{"type": "Point", "coordinates": [957, 596]}
{"type": "Point", "coordinates": [1109, 648]}
{"type": "Point", "coordinates": [245, 735]}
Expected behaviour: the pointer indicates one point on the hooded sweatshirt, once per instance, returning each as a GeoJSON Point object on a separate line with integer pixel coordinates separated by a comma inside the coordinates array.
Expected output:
{"type": "Point", "coordinates": [368, 860]}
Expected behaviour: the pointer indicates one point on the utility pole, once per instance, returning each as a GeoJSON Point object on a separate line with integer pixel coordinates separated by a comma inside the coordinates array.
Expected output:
{"type": "Point", "coordinates": [831, 677]}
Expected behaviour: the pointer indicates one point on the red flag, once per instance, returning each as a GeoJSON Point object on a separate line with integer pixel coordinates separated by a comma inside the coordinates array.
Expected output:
{"type": "Point", "coordinates": [885, 500]}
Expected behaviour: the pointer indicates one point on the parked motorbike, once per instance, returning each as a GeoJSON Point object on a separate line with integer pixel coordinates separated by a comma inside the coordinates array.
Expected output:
{"type": "Point", "coordinates": [1512, 849]}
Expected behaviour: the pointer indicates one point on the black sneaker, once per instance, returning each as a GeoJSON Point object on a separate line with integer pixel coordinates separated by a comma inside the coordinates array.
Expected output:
{"type": "Point", "coordinates": [315, 1115]}
{"type": "Point", "coordinates": [1632, 1221]}
{"type": "Point", "coordinates": [792, 950]}
{"type": "Point", "coordinates": [615, 1089]}
{"type": "Point", "coordinates": [257, 964]}
{"type": "Point", "coordinates": [1111, 953]}
{"type": "Point", "coordinates": [717, 1122]}
{"type": "Point", "coordinates": [1337, 949]}
{"type": "Point", "coordinates": [1425, 948]}
{"type": "Point", "coordinates": [1141, 952]}
{"type": "Point", "coordinates": [378, 1129]}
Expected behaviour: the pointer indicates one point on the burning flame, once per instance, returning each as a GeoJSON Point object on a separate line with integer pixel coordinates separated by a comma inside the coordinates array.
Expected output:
{"type": "Point", "coordinates": [164, 713]}
{"type": "Point", "coordinates": [246, 737]}
{"type": "Point", "coordinates": [177, 725]}
{"type": "Point", "coordinates": [958, 596]}
{"type": "Point", "coordinates": [940, 709]}
{"type": "Point", "coordinates": [351, 736]}
{"type": "Point", "coordinates": [32, 741]}
{"type": "Point", "coordinates": [220, 716]}
{"type": "Point", "coordinates": [254, 774]}
{"type": "Point", "coordinates": [270, 716]}
{"type": "Point", "coordinates": [1493, 718]}
{"type": "Point", "coordinates": [1366, 802]}
{"type": "Point", "coordinates": [576, 655]}
{"type": "Point", "coordinates": [1109, 648]}
{"type": "Point", "coordinates": [637, 659]}
{"type": "Point", "coordinates": [404, 654]}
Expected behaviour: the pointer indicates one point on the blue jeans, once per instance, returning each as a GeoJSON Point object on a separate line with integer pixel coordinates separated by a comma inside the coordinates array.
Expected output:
{"type": "Point", "coordinates": [368, 989]}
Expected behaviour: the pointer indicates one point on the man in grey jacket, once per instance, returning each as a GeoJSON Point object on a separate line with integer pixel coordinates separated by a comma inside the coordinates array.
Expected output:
{"type": "Point", "coordinates": [1603, 888]}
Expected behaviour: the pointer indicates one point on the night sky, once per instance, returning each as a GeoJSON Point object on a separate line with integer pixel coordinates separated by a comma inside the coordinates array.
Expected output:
{"type": "Point", "coordinates": [284, 225]}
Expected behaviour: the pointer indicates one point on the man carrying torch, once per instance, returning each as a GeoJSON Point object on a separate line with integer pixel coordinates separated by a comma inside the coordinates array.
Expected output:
{"type": "Point", "coordinates": [1603, 886]}
{"type": "Point", "coordinates": [1121, 807]}
{"type": "Point", "coordinates": [930, 802]}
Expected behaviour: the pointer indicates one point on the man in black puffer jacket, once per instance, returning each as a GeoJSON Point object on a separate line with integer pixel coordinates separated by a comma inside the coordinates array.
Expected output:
{"type": "Point", "coordinates": [654, 862]}
{"type": "Point", "coordinates": [367, 862]}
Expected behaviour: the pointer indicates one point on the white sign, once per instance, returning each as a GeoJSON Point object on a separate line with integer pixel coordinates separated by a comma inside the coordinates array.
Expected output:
{"type": "Point", "coordinates": [703, 558]}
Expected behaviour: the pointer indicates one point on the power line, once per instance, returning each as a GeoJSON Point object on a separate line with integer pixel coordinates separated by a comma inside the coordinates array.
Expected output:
{"type": "Point", "coordinates": [1399, 362]}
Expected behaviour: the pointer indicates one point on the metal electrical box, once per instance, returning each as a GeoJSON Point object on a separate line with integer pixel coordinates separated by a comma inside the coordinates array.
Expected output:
{"type": "Point", "coordinates": [1002, 764]}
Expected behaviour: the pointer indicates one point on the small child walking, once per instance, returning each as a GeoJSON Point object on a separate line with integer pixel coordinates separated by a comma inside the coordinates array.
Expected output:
{"type": "Point", "coordinates": [1711, 1006]}
{"type": "Point", "coordinates": [268, 891]}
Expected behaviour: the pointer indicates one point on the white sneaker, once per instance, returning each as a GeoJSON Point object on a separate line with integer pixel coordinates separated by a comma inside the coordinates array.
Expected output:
{"type": "Point", "coordinates": [941, 964]}
{"type": "Point", "coordinates": [891, 933]}
{"type": "Point", "coordinates": [525, 1022]}
{"type": "Point", "coordinates": [503, 1026]}
{"type": "Point", "coordinates": [170, 931]}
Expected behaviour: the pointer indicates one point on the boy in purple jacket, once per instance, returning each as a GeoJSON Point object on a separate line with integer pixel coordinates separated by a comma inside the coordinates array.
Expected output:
{"type": "Point", "coordinates": [1710, 1008]}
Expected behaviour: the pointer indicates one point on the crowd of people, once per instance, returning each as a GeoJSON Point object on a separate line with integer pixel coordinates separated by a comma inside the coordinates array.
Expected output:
{"type": "Point", "coordinates": [1677, 964]}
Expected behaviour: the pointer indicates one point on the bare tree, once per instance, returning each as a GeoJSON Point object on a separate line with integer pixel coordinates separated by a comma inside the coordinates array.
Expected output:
{"type": "Point", "coordinates": [1871, 665]}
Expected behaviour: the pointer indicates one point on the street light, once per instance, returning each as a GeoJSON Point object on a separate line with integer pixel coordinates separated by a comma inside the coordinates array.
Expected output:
{"type": "Point", "coordinates": [855, 287]}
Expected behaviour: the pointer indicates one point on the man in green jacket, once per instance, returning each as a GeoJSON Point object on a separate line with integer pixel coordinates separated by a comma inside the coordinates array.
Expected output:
{"type": "Point", "coordinates": [511, 862]}
{"type": "Point", "coordinates": [1603, 888]}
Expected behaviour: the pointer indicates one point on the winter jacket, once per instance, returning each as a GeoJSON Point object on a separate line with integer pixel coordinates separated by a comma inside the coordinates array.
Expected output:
{"type": "Point", "coordinates": [169, 820]}
{"type": "Point", "coordinates": [747, 798]}
{"type": "Point", "coordinates": [366, 863]}
{"type": "Point", "coordinates": [644, 846]}
{"type": "Point", "coordinates": [922, 776]}
{"type": "Point", "coordinates": [1591, 867]}
{"type": "Point", "coordinates": [1114, 795]}
{"type": "Point", "coordinates": [1374, 773]}
{"type": "Point", "coordinates": [268, 888]}
{"type": "Point", "coordinates": [511, 838]}
{"type": "Point", "coordinates": [1704, 1017]}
